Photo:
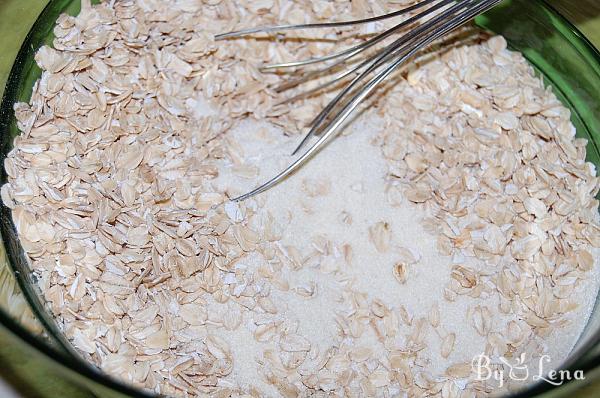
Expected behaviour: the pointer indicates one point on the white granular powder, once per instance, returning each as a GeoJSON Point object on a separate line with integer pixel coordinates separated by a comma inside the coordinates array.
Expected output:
{"type": "Point", "coordinates": [353, 171]}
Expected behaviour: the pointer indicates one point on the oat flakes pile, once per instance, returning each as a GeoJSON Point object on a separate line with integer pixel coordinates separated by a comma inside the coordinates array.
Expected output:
{"type": "Point", "coordinates": [497, 166]}
{"type": "Point", "coordinates": [145, 263]}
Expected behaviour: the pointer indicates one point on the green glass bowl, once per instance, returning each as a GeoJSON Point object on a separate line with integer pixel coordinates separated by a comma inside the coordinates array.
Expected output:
{"type": "Point", "coordinates": [560, 53]}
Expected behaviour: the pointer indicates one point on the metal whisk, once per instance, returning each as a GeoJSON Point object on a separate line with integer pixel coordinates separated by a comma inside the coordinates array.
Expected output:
{"type": "Point", "coordinates": [435, 18]}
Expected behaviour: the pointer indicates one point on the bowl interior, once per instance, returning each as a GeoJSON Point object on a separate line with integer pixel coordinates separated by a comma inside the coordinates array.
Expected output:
{"type": "Point", "coordinates": [566, 60]}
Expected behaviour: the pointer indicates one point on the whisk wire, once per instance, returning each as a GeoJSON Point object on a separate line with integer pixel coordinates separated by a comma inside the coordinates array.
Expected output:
{"type": "Point", "coordinates": [453, 13]}
{"type": "Point", "coordinates": [282, 28]}
{"type": "Point", "coordinates": [381, 58]}
{"type": "Point", "coordinates": [353, 51]}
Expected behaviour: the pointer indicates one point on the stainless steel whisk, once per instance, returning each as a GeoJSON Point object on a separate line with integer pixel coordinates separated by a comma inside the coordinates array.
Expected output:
{"type": "Point", "coordinates": [435, 18]}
